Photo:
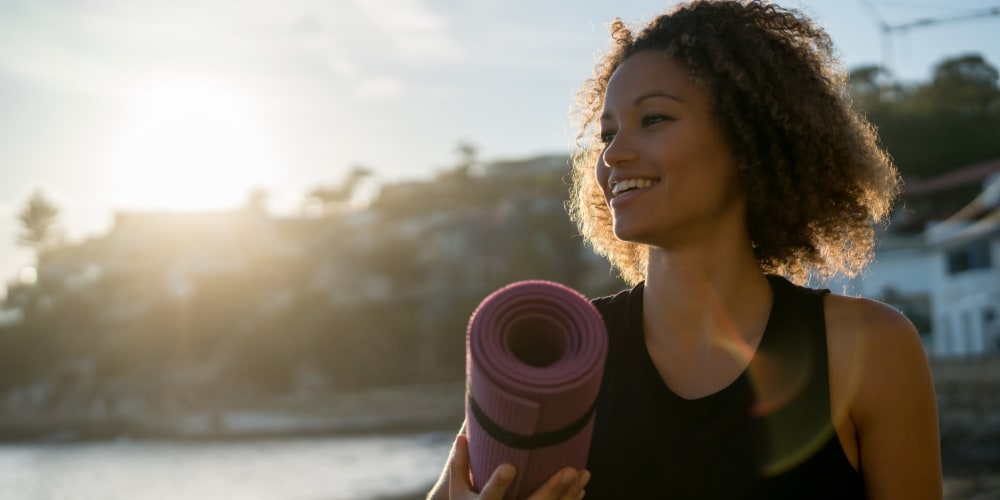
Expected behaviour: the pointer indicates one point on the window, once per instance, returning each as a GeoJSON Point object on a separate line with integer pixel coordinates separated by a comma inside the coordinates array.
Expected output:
{"type": "Point", "coordinates": [975, 255]}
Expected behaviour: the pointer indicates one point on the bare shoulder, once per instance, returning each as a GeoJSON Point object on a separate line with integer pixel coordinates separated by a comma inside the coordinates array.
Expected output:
{"type": "Point", "coordinates": [881, 380]}
{"type": "Point", "coordinates": [858, 319]}
{"type": "Point", "coordinates": [879, 346]}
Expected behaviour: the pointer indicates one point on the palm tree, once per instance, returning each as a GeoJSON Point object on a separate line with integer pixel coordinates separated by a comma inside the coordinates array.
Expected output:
{"type": "Point", "coordinates": [38, 220]}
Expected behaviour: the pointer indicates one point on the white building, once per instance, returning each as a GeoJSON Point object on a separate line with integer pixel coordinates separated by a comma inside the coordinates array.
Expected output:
{"type": "Point", "coordinates": [946, 279]}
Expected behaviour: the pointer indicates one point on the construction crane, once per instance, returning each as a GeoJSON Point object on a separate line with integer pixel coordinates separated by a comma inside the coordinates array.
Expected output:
{"type": "Point", "coordinates": [888, 30]}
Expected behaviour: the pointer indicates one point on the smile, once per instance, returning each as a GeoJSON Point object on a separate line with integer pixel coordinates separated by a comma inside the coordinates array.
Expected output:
{"type": "Point", "coordinates": [619, 187]}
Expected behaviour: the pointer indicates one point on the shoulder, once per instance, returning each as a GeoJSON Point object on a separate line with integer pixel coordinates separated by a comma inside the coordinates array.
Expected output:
{"type": "Point", "coordinates": [875, 327]}
{"type": "Point", "coordinates": [882, 379]}
{"type": "Point", "coordinates": [879, 369]}
{"type": "Point", "coordinates": [859, 318]}
{"type": "Point", "coordinates": [878, 346]}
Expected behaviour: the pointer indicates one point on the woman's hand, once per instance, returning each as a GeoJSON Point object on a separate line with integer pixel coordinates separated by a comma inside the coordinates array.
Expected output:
{"type": "Point", "coordinates": [566, 484]}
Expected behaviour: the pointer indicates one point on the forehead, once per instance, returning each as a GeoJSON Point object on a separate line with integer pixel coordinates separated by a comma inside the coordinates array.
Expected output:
{"type": "Point", "coordinates": [648, 71]}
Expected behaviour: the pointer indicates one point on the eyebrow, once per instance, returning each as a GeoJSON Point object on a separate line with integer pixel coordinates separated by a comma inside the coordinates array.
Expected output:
{"type": "Point", "coordinates": [655, 93]}
{"type": "Point", "coordinates": [649, 95]}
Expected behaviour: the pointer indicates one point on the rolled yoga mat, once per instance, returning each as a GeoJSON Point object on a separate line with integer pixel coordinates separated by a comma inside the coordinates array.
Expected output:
{"type": "Point", "coordinates": [535, 354]}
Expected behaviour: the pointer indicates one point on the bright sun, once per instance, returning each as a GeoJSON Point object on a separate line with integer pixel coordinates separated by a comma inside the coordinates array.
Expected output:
{"type": "Point", "coordinates": [190, 144]}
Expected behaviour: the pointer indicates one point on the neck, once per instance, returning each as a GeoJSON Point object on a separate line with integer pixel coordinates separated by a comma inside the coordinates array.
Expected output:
{"type": "Point", "coordinates": [697, 296]}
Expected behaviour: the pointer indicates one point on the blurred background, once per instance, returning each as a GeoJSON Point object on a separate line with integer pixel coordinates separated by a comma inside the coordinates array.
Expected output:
{"type": "Point", "coordinates": [240, 241]}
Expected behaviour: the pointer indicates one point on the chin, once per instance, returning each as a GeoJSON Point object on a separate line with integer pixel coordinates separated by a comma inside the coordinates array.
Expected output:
{"type": "Point", "coordinates": [644, 235]}
{"type": "Point", "coordinates": [629, 234]}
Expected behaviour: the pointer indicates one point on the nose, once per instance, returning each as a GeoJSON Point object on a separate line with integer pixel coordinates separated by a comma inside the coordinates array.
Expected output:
{"type": "Point", "coordinates": [617, 153]}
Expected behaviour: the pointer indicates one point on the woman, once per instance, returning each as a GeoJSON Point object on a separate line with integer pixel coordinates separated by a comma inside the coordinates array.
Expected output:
{"type": "Point", "coordinates": [729, 165]}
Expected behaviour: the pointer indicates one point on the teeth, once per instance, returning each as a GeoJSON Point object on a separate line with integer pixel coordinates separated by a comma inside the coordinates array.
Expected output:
{"type": "Point", "coordinates": [627, 184]}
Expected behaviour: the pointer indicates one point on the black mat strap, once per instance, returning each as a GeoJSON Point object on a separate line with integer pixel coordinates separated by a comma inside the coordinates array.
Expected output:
{"type": "Point", "coordinates": [532, 441]}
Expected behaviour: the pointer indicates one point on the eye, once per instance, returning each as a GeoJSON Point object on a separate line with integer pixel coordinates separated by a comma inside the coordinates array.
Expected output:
{"type": "Point", "coordinates": [605, 137]}
{"type": "Point", "coordinates": [652, 119]}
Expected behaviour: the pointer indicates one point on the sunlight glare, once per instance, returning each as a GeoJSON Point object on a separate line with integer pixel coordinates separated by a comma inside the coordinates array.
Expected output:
{"type": "Point", "coordinates": [28, 276]}
{"type": "Point", "coordinates": [190, 144]}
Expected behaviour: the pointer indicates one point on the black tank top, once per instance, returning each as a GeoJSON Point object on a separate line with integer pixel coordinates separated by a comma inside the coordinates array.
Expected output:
{"type": "Point", "coordinates": [738, 443]}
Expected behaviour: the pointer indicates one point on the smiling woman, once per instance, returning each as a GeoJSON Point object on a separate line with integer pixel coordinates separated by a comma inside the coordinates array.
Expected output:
{"type": "Point", "coordinates": [189, 144]}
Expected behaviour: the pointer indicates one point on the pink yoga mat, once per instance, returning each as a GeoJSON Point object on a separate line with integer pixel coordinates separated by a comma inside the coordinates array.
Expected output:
{"type": "Point", "coordinates": [534, 359]}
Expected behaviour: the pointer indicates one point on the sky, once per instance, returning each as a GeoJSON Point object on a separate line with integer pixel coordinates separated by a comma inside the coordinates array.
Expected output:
{"type": "Point", "coordinates": [125, 105]}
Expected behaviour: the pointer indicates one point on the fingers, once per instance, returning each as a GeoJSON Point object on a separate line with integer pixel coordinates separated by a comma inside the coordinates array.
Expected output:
{"type": "Point", "coordinates": [460, 484]}
{"type": "Point", "coordinates": [498, 483]}
{"type": "Point", "coordinates": [567, 484]}
{"type": "Point", "coordinates": [576, 490]}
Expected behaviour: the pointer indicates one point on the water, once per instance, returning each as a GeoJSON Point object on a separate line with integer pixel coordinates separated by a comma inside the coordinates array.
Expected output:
{"type": "Point", "coordinates": [354, 468]}
{"type": "Point", "coordinates": [357, 468]}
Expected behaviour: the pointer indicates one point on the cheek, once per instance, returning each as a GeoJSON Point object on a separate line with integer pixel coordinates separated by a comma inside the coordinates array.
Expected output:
{"type": "Point", "coordinates": [601, 173]}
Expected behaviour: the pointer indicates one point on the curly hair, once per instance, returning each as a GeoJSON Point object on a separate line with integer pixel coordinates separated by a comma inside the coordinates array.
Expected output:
{"type": "Point", "coordinates": [815, 179]}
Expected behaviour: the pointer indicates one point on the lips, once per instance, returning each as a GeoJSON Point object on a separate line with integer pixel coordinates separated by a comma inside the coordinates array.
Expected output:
{"type": "Point", "coordinates": [619, 187]}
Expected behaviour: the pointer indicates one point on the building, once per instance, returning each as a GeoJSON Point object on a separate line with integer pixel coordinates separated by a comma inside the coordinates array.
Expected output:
{"type": "Point", "coordinates": [940, 265]}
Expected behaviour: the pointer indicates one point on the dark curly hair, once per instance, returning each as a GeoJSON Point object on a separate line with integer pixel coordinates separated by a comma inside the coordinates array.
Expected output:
{"type": "Point", "coordinates": [815, 179]}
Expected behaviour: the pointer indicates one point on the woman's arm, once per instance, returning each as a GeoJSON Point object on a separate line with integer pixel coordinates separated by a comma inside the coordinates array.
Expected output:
{"type": "Point", "coordinates": [893, 406]}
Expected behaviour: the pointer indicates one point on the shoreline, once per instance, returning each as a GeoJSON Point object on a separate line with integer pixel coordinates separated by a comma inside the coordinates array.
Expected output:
{"type": "Point", "coordinates": [392, 410]}
{"type": "Point", "coordinates": [12, 435]}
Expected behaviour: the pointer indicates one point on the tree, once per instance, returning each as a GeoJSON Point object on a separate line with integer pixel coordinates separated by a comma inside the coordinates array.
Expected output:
{"type": "Point", "coordinates": [334, 198]}
{"type": "Point", "coordinates": [930, 128]}
{"type": "Point", "coordinates": [871, 86]}
{"type": "Point", "coordinates": [965, 83]}
{"type": "Point", "coordinates": [38, 220]}
{"type": "Point", "coordinates": [468, 158]}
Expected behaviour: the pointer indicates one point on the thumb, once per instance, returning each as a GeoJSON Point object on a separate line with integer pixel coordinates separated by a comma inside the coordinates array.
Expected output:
{"type": "Point", "coordinates": [459, 482]}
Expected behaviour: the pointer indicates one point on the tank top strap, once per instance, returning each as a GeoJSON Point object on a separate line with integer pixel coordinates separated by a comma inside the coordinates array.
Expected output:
{"type": "Point", "coordinates": [790, 376]}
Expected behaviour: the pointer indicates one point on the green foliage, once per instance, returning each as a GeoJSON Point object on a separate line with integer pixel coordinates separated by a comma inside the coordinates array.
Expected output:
{"type": "Point", "coordinates": [933, 142]}
{"type": "Point", "coordinates": [38, 219]}
{"type": "Point", "coordinates": [335, 198]}
{"type": "Point", "coordinates": [934, 127]}
{"type": "Point", "coordinates": [966, 84]}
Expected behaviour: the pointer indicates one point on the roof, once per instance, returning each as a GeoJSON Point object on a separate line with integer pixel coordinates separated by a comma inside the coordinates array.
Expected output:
{"type": "Point", "coordinates": [972, 174]}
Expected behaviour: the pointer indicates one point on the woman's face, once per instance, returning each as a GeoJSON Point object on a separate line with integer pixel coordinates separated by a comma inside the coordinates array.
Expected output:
{"type": "Point", "coordinates": [667, 172]}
